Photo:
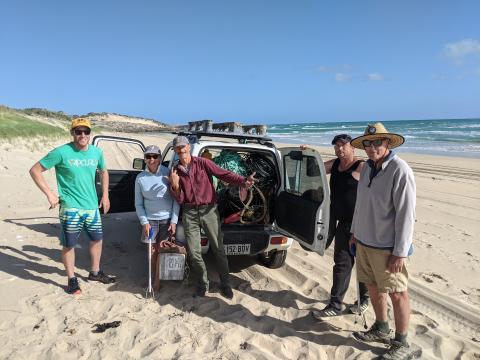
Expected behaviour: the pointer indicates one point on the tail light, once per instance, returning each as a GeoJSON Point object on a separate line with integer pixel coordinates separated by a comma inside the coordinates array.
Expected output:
{"type": "Point", "coordinates": [203, 241]}
{"type": "Point", "coordinates": [278, 240]}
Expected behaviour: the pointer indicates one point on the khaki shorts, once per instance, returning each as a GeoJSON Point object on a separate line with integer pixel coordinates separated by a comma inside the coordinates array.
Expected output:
{"type": "Point", "coordinates": [372, 269]}
{"type": "Point", "coordinates": [160, 231]}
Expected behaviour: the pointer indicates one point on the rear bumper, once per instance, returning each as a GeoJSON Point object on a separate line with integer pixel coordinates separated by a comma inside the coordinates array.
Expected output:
{"type": "Point", "coordinates": [259, 238]}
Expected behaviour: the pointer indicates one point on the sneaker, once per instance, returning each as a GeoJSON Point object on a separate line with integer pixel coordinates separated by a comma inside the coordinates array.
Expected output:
{"type": "Point", "coordinates": [363, 307]}
{"type": "Point", "coordinates": [373, 335]}
{"type": "Point", "coordinates": [101, 277]}
{"type": "Point", "coordinates": [73, 288]}
{"type": "Point", "coordinates": [326, 312]}
{"type": "Point", "coordinates": [400, 351]}
{"type": "Point", "coordinates": [226, 291]}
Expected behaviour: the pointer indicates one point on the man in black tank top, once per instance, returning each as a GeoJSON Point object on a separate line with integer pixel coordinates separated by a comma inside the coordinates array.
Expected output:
{"type": "Point", "coordinates": [345, 172]}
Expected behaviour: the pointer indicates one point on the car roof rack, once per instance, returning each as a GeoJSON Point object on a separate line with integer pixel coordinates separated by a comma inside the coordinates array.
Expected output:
{"type": "Point", "coordinates": [232, 130]}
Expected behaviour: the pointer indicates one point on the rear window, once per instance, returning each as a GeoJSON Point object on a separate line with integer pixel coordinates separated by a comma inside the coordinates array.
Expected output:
{"type": "Point", "coordinates": [257, 206]}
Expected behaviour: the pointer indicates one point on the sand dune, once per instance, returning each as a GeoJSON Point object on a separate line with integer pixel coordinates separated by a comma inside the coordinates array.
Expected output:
{"type": "Point", "coordinates": [269, 316]}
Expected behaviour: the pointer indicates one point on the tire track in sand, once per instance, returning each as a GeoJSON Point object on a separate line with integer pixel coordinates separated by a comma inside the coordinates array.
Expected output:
{"type": "Point", "coordinates": [461, 317]}
{"type": "Point", "coordinates": [446, 171]}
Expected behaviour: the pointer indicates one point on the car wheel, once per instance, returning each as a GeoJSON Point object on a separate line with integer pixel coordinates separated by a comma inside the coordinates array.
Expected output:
{"type": "Point", "coordinates": [273, 259]}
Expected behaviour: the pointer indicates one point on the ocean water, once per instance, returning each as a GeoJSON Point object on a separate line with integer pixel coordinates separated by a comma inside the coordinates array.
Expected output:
{"type": "Point", "coordinates": [452, 137]}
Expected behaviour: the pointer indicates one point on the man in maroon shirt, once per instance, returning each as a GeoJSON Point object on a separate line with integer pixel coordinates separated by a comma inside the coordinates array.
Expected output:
{"type": "Point", "coordinates": [192, 187]}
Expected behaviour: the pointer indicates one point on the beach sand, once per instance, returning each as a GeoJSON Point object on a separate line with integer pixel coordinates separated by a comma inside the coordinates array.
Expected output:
{"type": "Point", "coordinates": [269, 316]}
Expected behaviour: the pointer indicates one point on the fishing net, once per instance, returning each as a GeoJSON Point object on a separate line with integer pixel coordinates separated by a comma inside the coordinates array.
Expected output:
{"type": "Point", "coordinates": [251, 210]}
{"type": "Point", "coordinates": [256, 207]}
{"type": "Point", "coordinates": [266, 175]}
{"type": "Point", "coordinates": [264, 168]}
{"type": "Point", "coordinates": [227, 197]}
{"type": "Point", "coordinates": [231, 160]}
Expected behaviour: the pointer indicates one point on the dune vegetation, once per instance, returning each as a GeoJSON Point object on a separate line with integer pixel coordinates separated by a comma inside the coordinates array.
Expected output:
{"type": "Point", "coordinates": [14, 125]}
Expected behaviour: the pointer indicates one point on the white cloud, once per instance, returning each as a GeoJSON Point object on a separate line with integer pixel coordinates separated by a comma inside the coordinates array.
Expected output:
{"type": "Point", "coordinates": [459, 50]}
{"type": "Point", "coordinates": [336, 68]}
{"type": "Point", "coordinates": [341, 77]}
{"type": "Point", "coordinates": [343, 73]}
{"type": "Point", "coordinates": [375, 77]}
{"type": "Point", "coordinates": [324, 69]}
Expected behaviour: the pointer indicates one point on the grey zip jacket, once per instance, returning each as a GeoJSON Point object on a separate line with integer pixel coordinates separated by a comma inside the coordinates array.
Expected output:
{"type": "Point", "coordinates": [384, 213]}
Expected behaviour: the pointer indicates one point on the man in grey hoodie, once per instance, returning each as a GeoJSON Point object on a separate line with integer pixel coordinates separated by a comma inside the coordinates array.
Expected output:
{"type": "Point", "coordinates": [382, 232]}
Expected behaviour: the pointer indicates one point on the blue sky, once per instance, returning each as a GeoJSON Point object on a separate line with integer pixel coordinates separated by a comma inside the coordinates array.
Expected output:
{"type": "Point", "coordinates": [252, 61]}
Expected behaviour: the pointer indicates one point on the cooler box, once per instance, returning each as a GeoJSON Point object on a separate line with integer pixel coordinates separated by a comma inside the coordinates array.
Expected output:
{"type": "Point", "coordinates": [171, 266]}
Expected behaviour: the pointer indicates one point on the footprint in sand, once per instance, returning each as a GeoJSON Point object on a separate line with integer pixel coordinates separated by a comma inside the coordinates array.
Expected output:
{"type": "Point", "coordinates": [420, 329]}
{"type": "Point", "coordinates": [429, 322]}
{"type": "Point", "coordinates": [472, 257]}
{"type": "Point", "coordinates": [427, 279]}
{"type": "Point", "coordinates": [431, 277]}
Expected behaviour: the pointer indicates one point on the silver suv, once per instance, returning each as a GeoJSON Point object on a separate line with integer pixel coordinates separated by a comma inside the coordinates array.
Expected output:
{"type": "Point", "coordinates": [289, 202]}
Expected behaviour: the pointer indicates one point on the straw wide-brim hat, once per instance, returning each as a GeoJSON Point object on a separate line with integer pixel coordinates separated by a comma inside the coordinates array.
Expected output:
{"type": "Point", "coordinates": [378, 131]}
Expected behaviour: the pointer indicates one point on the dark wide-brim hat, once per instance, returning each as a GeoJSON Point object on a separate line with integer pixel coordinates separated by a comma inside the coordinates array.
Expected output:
{"type": "Point", "coordinates": [378, 131]}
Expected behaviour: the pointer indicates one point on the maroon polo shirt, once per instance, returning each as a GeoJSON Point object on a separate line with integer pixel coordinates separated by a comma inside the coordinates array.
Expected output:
{"type": "Point", "coordinates": [196, 185]}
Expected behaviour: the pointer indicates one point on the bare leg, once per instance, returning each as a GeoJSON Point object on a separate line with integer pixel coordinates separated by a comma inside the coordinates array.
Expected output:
{"type": "Point", "coordinates": [379, 303]}
{"type": "Point", "coordinates": [68, 259]}
{"type": "Point", "coordinates": [401, 311]}
{"type": "Point", "coordinates": [95, 254]}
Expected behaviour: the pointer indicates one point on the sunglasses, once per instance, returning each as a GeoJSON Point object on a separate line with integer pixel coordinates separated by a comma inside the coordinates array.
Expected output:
{"type": "Point", "coordinates": [80, 132]}
{"type": "Point", "coordinates": [148, 157]}
{"type": "Point", "coordinates": [376, 142]}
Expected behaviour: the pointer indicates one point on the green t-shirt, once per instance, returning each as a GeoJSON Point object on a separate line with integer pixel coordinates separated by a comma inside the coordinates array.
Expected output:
{"type": "Point", "coordinates": [75, 171]}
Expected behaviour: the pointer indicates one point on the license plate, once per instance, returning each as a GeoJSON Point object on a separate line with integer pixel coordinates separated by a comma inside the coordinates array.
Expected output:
{"type": "Point", "coordinates": [237, 249]}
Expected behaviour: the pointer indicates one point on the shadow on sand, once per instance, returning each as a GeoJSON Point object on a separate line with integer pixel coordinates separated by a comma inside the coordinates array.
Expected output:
{"type": "Point", "coordinates": [26, 263]}
{"type": "Point", "coordinates": [124, 257]}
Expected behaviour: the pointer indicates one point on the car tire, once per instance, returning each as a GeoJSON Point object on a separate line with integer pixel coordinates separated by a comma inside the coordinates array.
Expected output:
{"type": "Point", "coordinates": [273, 259]}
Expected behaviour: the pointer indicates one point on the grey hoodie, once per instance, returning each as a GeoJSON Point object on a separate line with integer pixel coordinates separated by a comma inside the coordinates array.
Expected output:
{"type": "Point", "coordinates": [384, 213]}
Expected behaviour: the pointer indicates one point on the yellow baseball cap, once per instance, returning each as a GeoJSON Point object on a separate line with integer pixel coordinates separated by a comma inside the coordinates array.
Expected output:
{"type": "Point", "coordinates": [80, 122]}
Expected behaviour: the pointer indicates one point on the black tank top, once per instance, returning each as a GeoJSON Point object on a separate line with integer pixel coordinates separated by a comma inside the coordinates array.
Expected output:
{"type": "Point", "coordinates": [343, 191]}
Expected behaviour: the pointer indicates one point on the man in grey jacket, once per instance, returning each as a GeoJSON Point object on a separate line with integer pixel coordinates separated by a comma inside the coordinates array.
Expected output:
{"type": "Point", "coordinates": [382, 232]}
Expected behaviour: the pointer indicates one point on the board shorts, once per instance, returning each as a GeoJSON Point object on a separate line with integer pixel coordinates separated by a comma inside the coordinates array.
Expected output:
{"type": "Point", "coordinates": [73, 221]}
{"type": "Point", "coordinates": [372, 269]}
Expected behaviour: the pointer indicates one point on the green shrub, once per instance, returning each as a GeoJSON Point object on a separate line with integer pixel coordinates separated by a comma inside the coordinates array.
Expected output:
{"type": "Point", "coordinates": [47, 113]}
{"type": "Point", "coordinates": [14, 125]}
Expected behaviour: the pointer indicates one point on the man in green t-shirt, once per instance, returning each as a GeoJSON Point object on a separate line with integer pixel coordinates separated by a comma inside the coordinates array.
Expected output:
{"type": "Point", "coordinates": [75, 165]}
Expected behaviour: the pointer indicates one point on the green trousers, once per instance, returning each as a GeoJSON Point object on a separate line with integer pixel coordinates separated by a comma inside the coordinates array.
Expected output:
{"type": "Point", "coordinates": [207, 218]}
